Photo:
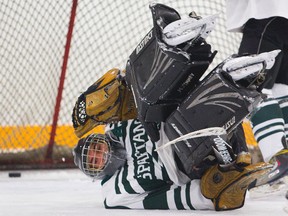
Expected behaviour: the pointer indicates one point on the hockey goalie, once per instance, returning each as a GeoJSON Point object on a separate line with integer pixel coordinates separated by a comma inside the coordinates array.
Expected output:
{"type": "Point", "coordinates": [172, 138]}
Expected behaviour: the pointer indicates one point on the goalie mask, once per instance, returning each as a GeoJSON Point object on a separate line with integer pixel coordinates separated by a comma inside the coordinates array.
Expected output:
{"type": "Point", "coordinates": [99, 155]}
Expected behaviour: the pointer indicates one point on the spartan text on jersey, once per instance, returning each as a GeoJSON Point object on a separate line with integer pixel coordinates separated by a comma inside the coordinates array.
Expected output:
{"type": "Point", "coordinates": [143, 169]}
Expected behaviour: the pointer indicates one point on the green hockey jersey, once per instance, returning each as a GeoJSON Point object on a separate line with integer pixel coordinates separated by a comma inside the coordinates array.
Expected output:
{"type": "Point", "coordinates": [143, 182]}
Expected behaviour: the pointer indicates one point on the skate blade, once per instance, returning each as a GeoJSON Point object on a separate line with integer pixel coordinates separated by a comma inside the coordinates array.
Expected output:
{"type": "Point", "coordinates": [267, 190]}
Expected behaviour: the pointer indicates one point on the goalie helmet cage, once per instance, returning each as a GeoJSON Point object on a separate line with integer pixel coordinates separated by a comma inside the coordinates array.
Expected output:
{"type": "Point", "coordinates": [51, 51]}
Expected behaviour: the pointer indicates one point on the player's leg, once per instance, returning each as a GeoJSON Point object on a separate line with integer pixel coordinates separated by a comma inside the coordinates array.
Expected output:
{"type": "Point", "coordinates": [280, 89]}
{"type": "Point", "coordinates": [280, 92]}
{"type": "Point", "coordinates": [268, 122]}
{"type": "Point", "coordinates": [269, 133]}
{"type": "Point", "coordinates": [268, 128]}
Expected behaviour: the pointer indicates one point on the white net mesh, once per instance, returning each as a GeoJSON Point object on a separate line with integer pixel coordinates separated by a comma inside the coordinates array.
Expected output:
{"type": "Point", "coordinates": [33, 40]}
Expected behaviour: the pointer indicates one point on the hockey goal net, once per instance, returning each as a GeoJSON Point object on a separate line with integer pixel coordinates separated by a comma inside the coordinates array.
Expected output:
{"type": "Point", "coordinates": [53, 50]}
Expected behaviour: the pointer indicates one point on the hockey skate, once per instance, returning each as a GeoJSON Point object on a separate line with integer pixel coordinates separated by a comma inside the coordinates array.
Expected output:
{"type": "Point", "coordinates": [250, 70]}
{"type": "Point", "coordinates": [188, 29]}
{"type": "Point", "coordinates": [276, 180]}
{"type": "Point", "coordinates": [227, 186]}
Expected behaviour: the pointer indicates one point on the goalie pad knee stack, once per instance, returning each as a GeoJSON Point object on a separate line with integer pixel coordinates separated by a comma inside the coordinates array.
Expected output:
{"type": "Point", "coordinates": [216, 102]}
{"type": "Point", "coordinates": [160, 75]}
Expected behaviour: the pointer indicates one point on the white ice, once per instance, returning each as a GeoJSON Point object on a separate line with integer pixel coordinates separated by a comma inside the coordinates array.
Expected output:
{"type": "Point", "coordinates": [69, 192]}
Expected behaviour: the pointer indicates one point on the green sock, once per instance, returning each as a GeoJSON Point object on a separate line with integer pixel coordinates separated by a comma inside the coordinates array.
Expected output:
{"type": "Point", "coordinates": [283, 103]}
{"type": "Point", "coordinates": [268, 128]}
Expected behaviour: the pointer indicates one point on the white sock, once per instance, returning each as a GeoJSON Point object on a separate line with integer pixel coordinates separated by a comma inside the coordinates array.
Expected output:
{"type": "Point", "coordinates": [280, 92]}
{"type": "Point", "coordinates": [270, 145]}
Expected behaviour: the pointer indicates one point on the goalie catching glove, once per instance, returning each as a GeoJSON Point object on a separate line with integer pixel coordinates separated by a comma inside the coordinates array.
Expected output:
{"type": "Point", "coordinates": [106, 101]}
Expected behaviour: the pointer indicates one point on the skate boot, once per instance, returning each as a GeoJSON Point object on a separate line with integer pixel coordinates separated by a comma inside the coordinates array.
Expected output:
{"type": "Point", "coordinates": [227, 186]}
{"type": "Point", "coordinates": [276, 181]}
{"type": "Point", "coordinates": [280, 169]}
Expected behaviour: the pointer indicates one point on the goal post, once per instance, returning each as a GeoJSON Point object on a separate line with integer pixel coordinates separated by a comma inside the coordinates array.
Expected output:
{"type": "Point", "coordinates": [51, 51]}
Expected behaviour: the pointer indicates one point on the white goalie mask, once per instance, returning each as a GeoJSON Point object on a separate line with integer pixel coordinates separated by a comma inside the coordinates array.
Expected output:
{"type": "Point", "coordinates": [99, 155]}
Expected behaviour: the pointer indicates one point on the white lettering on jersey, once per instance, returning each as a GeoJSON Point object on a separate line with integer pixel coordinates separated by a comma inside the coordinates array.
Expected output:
{"type": "Point", "coordinates": [141, 153]}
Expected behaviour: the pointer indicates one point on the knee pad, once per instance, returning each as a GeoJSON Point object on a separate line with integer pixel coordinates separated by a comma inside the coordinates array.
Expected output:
{"type": "Point", "coordinates": [216, 102]}
{"type": "Point", "coordinates": [160, 75]}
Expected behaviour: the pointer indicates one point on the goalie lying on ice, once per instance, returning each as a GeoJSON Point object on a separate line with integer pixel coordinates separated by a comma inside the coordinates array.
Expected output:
{"type": "Point", "coordinates": [138, 167]}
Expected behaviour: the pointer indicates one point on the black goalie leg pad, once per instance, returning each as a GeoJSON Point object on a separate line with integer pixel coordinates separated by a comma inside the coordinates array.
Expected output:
{"type": "Point", "coordinates": [161, 76]}
{"type": "Point", "coordinates": [216, 102]}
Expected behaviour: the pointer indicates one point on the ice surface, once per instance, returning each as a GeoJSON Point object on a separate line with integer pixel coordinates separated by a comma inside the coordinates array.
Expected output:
{"type": "Point", "coordinates": [69, 192]}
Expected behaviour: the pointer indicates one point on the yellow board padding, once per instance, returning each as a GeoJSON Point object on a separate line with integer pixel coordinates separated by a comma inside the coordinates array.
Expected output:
{"type": "Point", "coordinates": [249, 135]}
{"type": "Point", "coordinates": [33, 137]}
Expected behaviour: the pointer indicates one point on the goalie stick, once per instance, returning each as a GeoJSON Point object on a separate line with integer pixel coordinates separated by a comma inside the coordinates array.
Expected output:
{"type": "Point", "coordinates": [212, 131]}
